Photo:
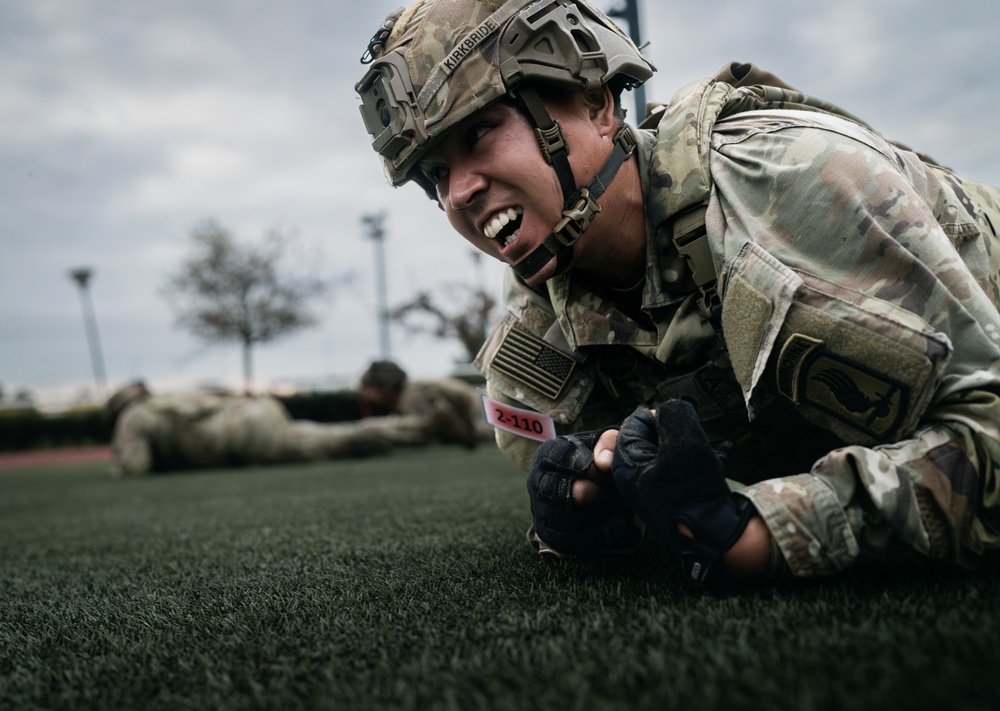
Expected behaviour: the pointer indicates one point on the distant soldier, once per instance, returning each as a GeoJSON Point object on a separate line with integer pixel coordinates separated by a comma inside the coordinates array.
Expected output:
{"type": "Point", "coordinates": [422, 397]}
{"type": "Point", "coordinates": [377, 394]}
{"type": "Point", "coordinates": [385, 389]}
{"type": "Point", "coordinates": [198, 430]}
{"type": "Point", "coordinates": [381, 387]}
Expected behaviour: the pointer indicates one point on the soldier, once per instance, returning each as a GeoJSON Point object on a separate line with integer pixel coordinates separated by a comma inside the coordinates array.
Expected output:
{"type": "Point", "coordinates": [382, 385]}
{"type": "Point", "coordinates": [457, 397]}
{"type": "Point", "coordinates": [810, 309]}
{"type": "Point", "coordinates": [385, 389]}
{"type": "Point", "coordinates": [377, 395]}
{"type": "Point", "coordinates": [197, 430]}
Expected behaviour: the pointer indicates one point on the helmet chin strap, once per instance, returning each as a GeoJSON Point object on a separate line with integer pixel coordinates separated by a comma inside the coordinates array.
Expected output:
{"type": "Point", "coordinates": [579, 206]}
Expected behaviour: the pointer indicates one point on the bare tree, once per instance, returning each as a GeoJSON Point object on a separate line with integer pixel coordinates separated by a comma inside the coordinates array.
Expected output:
{"type": "Point", "coordinates": [469, 321]}
{"type": "Point", "coordinates": [226, 290]}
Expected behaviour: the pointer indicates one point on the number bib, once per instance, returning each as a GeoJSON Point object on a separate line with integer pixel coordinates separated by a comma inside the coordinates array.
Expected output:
{"type": "Point", "coordinates": [516, 420]}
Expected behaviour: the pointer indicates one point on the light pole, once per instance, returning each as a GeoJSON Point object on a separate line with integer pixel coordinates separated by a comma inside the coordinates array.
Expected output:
{"type": "Point", "coordinates": [377, 234]}
{"type": "Point", "coordinates": [630, 13]}
{"type": "Point", "coordinates": [82, 277]}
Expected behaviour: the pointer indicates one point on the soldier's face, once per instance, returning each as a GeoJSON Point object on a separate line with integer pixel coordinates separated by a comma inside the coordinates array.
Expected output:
{"type": "Point", "coordinates": [494, 183]}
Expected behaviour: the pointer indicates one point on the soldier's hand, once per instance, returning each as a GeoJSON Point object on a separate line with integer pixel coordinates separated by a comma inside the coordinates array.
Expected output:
{"type": "Point", "coordinates": [595, 482]}
{"type": "Point", "coordinates": [575, 508]}
{"type": "Point", "coordinates": [668, 472]}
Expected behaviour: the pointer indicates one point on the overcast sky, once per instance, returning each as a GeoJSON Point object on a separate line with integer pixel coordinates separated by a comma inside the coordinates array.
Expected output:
{"type": "Point", "coordinates": [125, 124]}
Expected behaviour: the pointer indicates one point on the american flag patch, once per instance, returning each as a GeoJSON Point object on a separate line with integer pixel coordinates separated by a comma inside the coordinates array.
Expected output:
{"type": "Point", "coordinates": [530, 360]}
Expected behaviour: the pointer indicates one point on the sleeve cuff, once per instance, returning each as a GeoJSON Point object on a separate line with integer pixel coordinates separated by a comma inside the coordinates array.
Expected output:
{"type": "Point", "coordinates": [807, 522]}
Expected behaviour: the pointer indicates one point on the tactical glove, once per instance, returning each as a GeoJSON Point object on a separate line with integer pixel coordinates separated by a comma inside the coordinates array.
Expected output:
{"type": "Point", "coordinates": [559, 524]}
{"type": "Point", "coordinates": [668, 473]}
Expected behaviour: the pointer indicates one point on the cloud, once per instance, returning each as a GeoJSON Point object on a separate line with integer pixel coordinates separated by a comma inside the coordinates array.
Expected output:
{"type": "Point", "coordinates": [124, 124]}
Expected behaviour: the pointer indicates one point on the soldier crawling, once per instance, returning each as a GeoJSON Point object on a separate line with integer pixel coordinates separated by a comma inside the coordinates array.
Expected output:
{"type": "Point", "coordinates": [753, 286]}
{"type": "Point", "coordinates": [196, 430]}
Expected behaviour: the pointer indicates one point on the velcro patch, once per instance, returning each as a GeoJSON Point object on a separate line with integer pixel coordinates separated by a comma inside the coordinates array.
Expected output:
{"type": "Point", "coordinates": [528, 359]}
{"type": "Point", "coordinates": [809, 373]}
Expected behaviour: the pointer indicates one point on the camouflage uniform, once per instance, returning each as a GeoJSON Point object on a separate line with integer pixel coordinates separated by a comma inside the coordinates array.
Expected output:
{"type": "Point", "coordinates": [460, 399]}
{"type": "Point", "coordinates": [169, 432]}
{"type": "Point", "coordinates": [846, 346]}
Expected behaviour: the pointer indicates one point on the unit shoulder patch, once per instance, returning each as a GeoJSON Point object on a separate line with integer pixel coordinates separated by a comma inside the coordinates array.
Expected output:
{"type": "Point", "coordinates": [809, 373]}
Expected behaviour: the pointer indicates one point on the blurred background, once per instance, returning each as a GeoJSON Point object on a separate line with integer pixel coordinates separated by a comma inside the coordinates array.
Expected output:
{"type": "Point", "coordinates": [127, 127]}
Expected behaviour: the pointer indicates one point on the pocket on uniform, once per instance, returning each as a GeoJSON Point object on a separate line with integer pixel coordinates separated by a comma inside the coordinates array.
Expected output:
{"type": "Point", "coordinates": [757, 293]}
{"type": "Point", "coordinates": [856, 365]}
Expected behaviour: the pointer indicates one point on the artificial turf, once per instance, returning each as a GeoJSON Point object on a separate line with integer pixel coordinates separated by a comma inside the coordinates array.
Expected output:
{"type": "Point", "coordinates": [405, 583]}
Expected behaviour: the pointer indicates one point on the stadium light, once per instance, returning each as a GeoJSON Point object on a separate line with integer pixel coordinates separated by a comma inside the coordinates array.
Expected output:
{"type": "Point", "coordinates": [82, 278]}
{"type": "Point", "coordinates": [376, 233]}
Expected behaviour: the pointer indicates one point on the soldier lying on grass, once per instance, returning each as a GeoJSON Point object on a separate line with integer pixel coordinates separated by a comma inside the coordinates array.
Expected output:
{"type": "Point", "coordinates": [812, 308]}
{"type": "Point", "coordinates": [196, 430]}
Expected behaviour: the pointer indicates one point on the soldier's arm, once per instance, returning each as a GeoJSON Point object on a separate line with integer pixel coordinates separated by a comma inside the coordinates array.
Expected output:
{"type": "Point", "coordinates": [846, 265]}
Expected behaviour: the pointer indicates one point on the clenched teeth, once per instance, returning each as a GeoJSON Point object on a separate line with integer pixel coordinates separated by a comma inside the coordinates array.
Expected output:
{"type": "Point", "coordinates": [496, 226]}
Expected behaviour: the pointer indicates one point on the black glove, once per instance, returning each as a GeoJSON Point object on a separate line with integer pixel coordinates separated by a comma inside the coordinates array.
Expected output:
{"type": "Point", "coordinates": [668, 473]}
{"type": "Point", "coordinates": [606, 526]}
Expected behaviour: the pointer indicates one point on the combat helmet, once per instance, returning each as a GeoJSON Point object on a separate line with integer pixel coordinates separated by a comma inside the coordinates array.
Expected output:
{"type": "Point", "coordinates": [439, 61]}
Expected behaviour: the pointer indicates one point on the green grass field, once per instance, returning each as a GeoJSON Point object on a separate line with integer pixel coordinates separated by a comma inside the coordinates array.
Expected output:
{"type": "Point", "coordinates": [406, 583]}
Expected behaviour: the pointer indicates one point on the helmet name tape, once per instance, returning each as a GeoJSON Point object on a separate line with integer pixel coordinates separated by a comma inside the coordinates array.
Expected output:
{"type": "Point", "coordinates": [450, 63]}
{"type": "Point", "coordinates": [469, 43]}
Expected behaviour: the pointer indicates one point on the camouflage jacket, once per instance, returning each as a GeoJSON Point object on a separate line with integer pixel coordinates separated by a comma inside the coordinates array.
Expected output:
{"type": "Point", "coordinates": [195, 430]}
{"type": "Point", "coordinates": [854, 369]}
